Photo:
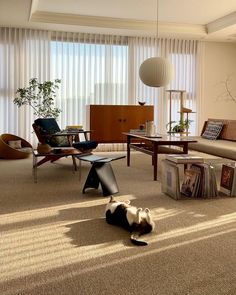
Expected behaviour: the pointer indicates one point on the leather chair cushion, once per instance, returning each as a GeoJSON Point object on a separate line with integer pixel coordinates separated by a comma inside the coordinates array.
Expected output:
{"type": "Point", "coordinates": [48, 125]}
{"type": "Point", "coordinates": [85, 145]}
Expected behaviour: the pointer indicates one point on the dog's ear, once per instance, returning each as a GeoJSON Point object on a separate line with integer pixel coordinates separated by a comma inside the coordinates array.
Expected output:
{"type": "Point", "coordinates": [138, 215]}
{"type": "Point", "coordinates": [148, 216]}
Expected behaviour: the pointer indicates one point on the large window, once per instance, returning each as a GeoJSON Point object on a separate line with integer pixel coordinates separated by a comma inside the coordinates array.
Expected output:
{"type": "Point", "coordinates": [91, 74]}
{"type": "Point", "coordinates": [183, 56]}
{"type": "Point", "coordinates": [184, 79]}
{"type": "Point", "coordinates": [94, 69]}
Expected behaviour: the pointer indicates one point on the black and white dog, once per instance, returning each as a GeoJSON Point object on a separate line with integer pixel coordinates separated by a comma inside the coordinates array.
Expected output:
{"type": "Point", "coordinates": [135, 220]}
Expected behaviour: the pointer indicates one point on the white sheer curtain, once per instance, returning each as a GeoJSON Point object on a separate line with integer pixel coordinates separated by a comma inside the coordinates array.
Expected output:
{"type": "Point", "coordinates": [93, 69]}
{"type": "Point", "coordinates": [183, 55]}
{"type": "Point", "coordinates": [24, 54]}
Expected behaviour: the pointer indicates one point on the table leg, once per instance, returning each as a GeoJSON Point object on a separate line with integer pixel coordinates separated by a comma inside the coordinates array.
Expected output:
{"type": "Point", "coordinates": [101, 173]}
{"type": "Point", "coordinates": [35, 168]}
{"type": "Point", "coordinates": [155, 160]}
{"type": "Point", "coordinates": [92, 180]}
{"type": "Point", "coordinates": [185, 148]}
{"type": "Point", "coordinates": [107, 179]}
{"type": "Point", "coordinates": [128, 150]}
{"type": "Point", "coordinates": [80, 167]}
{"type": "Point", "coordinates": [74, 163]}
{"type": "Point", "coordinates": [185, 151]}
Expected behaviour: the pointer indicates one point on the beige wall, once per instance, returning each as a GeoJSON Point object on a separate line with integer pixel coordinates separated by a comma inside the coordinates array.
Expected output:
{"type": "Point", "coordinates": [219, 61]}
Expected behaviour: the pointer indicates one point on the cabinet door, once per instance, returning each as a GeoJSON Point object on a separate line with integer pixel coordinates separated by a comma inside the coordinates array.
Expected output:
{"type": "Point", "coordinates": [105, 123]}
{"type": "Point", "coordinates": [136, 115]}
{"type": "Point", "coordinates": [109, 121]}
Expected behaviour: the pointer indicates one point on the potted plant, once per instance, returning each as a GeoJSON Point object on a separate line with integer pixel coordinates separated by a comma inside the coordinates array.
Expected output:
{"type": "Point", "coordinates": [180, 126]}
{"type": "Point", "coordinates": [39, 96]}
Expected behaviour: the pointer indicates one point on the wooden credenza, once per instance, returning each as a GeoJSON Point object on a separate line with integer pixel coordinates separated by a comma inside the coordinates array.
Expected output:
{"type": "Point", "coordinates": [107, 122]}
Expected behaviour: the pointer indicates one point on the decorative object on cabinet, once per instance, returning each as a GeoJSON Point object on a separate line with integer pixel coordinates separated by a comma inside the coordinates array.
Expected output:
{"type": "Point", "coordinates": [142, 103]}
{"type": "Point", "coordinates": [108, 122]}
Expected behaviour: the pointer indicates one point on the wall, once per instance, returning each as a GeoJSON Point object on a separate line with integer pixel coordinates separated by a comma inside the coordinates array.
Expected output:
{"type": "Point", "coordinates": [219, 61]}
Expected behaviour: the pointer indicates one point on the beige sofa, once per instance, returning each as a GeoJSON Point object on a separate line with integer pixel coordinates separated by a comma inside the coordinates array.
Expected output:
{"type": "Point", "coordinates": [224, 147]}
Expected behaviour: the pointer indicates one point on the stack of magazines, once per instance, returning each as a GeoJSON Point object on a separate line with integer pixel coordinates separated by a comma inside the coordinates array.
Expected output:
{"type": "Point", "coordinates": [199, 181]}
{"type": "Point", "coordinates": [184, 158]}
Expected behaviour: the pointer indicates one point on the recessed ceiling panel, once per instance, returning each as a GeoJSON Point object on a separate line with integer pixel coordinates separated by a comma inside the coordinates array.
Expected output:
{"type": "Point", "coordinates": [178, 11]}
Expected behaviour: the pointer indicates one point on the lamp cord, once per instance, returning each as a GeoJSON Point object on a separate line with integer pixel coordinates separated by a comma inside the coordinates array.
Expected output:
{"type": "Point", "coordinates": [157, 33]}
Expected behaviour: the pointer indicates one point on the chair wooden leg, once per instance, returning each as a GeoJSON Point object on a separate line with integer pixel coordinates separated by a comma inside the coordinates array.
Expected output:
{"type": "Point", "coordinates": [53, 159]}
{"type": "Point", "coordinates": [48, 158]}
{"type": "Point", "coordinates": [44, 160]}
{"type": "Point", "coordinates": [74, 163]}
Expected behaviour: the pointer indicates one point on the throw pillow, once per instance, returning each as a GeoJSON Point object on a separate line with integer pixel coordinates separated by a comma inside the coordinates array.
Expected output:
{"type": "Point", "coordinates": [15, 144]}
{"type": "Point", "coordinates": [212, 130]}
{"type": "Point", "coordinates": [59, 141]}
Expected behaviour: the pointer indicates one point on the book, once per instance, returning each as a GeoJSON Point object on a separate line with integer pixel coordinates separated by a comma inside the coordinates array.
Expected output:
{"type": "Point", "coordinates": [191, 183]}
{"type": "Point", "coordinates": [228, 180]}
{"type": "Point", "coordinates": [170, 184]}
{"type": "Point", "coordinates": [74, 127]}
{"type": "Point", "coordinates": [184, 158]}
{"type": "Point", "coordinates": [203, 177]}
{"type": "Point", "coordinates": [138, 131]}
{"type": "Point", "coordinates": [200, 181]}
{"type": "Point", "coordinates": [213, 183]}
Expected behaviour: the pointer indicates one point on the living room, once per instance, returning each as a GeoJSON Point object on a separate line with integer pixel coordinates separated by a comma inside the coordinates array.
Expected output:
{"type": "Point", "coordinates": [54, 238]}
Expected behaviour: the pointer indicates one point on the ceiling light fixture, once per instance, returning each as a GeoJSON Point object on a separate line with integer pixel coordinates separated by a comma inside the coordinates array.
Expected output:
{"type": "Point", "coordinates": [156, 71]}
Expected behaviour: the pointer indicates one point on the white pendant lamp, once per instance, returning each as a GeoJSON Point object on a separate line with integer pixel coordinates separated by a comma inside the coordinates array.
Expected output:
{"type": "Point", "coordinates": [156, 71]}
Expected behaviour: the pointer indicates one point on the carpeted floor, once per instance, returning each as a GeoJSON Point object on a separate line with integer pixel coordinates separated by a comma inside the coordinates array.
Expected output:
{"type": "Point", "coordinates": [54, 239]}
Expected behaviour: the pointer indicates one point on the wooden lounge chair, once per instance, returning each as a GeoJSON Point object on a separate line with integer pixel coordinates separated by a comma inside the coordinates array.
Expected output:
{"type": "Point", "coordinates": [48, 131]}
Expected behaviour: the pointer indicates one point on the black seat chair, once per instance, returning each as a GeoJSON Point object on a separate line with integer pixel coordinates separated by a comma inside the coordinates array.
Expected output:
{"type": "Point", "coordinates": [48, 131]}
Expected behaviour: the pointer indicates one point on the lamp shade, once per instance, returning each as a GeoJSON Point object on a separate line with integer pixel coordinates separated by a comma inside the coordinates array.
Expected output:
{"type": "Point", "coordinates": [156, 72]}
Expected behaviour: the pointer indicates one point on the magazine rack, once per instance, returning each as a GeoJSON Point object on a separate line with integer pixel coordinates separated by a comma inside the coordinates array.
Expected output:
{"type": "Point", "coordinates": [199, 180]}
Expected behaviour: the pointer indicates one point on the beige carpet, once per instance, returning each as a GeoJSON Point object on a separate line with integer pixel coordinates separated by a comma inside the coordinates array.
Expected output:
{"type": "Point", "coordinates": [54, 239]}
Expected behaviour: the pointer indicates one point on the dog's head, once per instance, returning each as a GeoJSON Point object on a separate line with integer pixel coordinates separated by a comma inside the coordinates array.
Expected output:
{"type": "Point", "coordinates": [112, 200]}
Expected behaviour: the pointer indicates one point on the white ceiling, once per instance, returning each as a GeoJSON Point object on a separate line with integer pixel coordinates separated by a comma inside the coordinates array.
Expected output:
{"type": "Point", "coordinates": [200, 19]}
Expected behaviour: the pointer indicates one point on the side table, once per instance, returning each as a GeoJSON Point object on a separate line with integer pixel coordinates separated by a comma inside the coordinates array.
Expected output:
{"type": "Point", "coordinates": [102, 173]}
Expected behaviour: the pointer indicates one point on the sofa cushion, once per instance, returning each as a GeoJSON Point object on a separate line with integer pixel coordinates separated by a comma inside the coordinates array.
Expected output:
{"type": "Point", "coordinates": [229, 129]}
{"type": "Point", "coordinates": [213, 130]}
{"type": "Point", "coordinates": [219, 147]}
{"type": "Point", "coordinates": [15, 144]}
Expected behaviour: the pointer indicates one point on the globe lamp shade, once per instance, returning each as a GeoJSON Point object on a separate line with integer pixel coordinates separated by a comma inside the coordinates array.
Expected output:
{"type": "Point", "coordinates": [156, 72]}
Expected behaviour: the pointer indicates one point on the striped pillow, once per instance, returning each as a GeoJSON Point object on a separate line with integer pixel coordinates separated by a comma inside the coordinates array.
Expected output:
{"type": "Point", "coordinates": [212, 130]}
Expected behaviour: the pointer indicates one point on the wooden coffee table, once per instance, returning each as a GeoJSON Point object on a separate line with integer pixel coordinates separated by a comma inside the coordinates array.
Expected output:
{"type": "Point", "coordinates": [155, 145]}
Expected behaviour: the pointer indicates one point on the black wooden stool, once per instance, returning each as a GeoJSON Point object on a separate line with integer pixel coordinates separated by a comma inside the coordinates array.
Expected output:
{"type": "Point", "coordinates": [102, 173]}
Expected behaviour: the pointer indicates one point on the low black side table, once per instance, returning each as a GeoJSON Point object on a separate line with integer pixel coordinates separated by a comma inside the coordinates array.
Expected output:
{"type": "Point", "coordinates": [102, 173]}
